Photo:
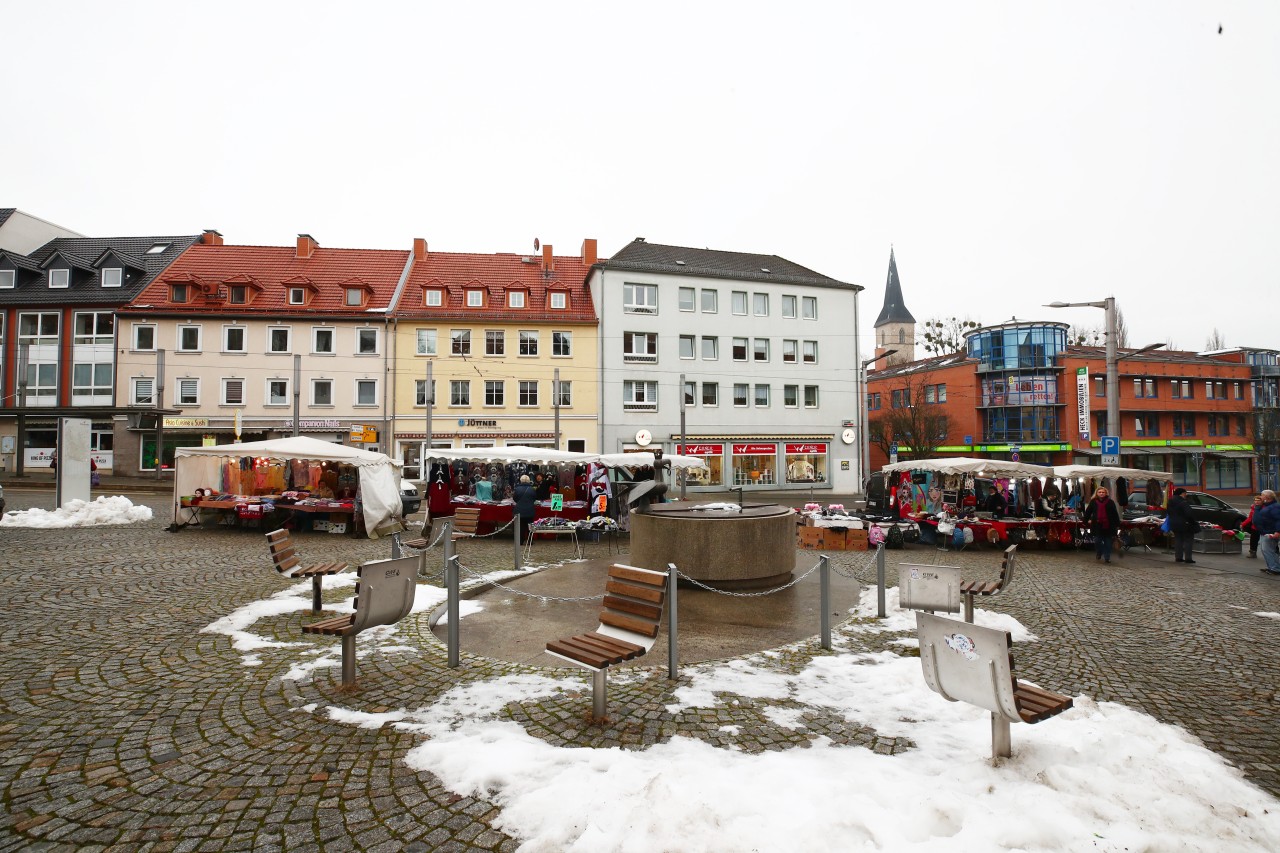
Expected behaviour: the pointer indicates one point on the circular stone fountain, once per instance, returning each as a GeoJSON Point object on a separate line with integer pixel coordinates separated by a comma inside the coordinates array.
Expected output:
{"type": "Point", "coordinates": [721, 548]}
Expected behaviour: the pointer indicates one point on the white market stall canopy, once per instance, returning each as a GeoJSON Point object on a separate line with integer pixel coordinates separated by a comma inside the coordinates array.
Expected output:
{"type": "Point", "coordinates": [196, 467]}
{"type": "Point", "coordinates": [1101, 472]}
{"type": "Point", "coordinates": [550, 456]}
{"type": "Point", "coordinates": [977, 467]}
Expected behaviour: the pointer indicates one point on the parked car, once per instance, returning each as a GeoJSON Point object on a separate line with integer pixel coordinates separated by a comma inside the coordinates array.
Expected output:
{"type": "Point", "coordinates": [1213, 510]}
{"type": "Point", "coordinates": [410, 500]}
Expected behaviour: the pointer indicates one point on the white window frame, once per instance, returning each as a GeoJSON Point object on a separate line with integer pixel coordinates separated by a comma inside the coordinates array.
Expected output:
{"type": "Point", "coordinates": [463, 386]}
{"type": "Point", "coordinates": [228, 384]}
{"type": "Point", "coordinates": [353, 297]}
{"type": "Point", "coordinates": [809, 307]}
{"type": "Point", "coordinates": [813, 396]}
{"type": "Point", "coordinates": [809, 352]}
{"type": "Point", "coordinates": [636, 298]}
{"type": "Point", "coordinates": [142, 391]}
{"type": "Point", "coordinates": [475, 298]}
{"type": "Point", "coordinates": [297, 296]}
{"type": "Point", "coordinates": [226, 338]}
{"type": "Point", "coordinates": [741, 391]}
{"type": "Point", "coordinates": [460, 343]}
{"type": "Point", "coordinates": [756, 354]}
{"type": "Point", "coordinates": [558, 300]}
{"type": "Point", "coordinates": [715, 300]}
{"type": "Point", "coordinates": [8, 279]}
{"type": "Point", "coordinates": [760, 304]}
{"type": "Point", "coordinates": [515, 299]}
{"type": "Point", "coordinates": [184, 382]}
{"type": "Point", "coordinates": [433, 298]}
{"type": "Point", "coordinates": [134, 337]}
{"type": "Point", "coordinates": [714, 388]}
{"type": "Point", "coordinates": [528, 394]}
{"type": "Point", "coordinates": [199, 330]}
{"type": "Point", "coordinates": [528, 346]}
{"type": "Point", "coordinates": [495, 393]}
{"type": "Point", "coordinates": [714, 343]}
{"type": "Point", "coordinates": [688, 346]}
{"type": "Point", "coordinates": [266, 391]}
{"type": "Point", "coordinates": [59, 279]}
{"type": "Point", "coordinates": [420, 392]}
{"type": "Point", "coordinates": [564, 390]}
{"type": "Point", "coordinates": [690, 394]}
{"type": "Point", "coordinates": [113, 276]}
{"type": "Point", "coordinates": [363, 333]}
{"type": "Point", "coordinates": [288, 340]}
{"type": "Point", "coordinates": [426, 342]}
{"type": "Point", "coordinates": [356, 389]}
{"type": "Point", "coordinates": [790, 351]}
{"type": "Point", "coordinates": [738, 304]}
{"type": "Point", "coordinates": [315, 340]}
{"type": "Point", "coordinates": [317, 383]}
{"type": "Point", "coordinates": [691, 294]}
{"type": "Point", "coordinates": [562, 344]}
{"type": "Point", "coordinates": [791, 396]}
{"type": "Point", "coordinates": [639, 395]}
{"type": "Point", "coordinates": [755, 397]}
{"type": "Point", "coordinates": [649, 341]}
{"type": "Point", "coordinates": [93, 337]}
{"type": "Point", "coordinates": [98, 388]}
{"type": "Point", "coordinates": [495, 343]}
{"type": "Point", "coordinates": [238, 290]}
{"type": "Point", "coordinates": [788, 306]}
{"type": "Point", "coordinates": [746, 349]}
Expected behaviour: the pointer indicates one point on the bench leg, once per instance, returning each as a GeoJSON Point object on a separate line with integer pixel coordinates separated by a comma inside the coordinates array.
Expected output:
{"type": "Point", "coordinates": [349, 660]}
{"type": "Point", "coordinates": [599, 693]}
{"type": "Point", "coordinates": [968, 608]}
{"type": "Point", "coordinates": [1001, 739]}
{"type": "Point", "coordinates": [316, 604]}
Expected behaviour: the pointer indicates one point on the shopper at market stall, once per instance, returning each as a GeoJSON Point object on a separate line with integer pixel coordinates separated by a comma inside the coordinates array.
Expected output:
{"type": "Point", "coordinates": [1247, 526]}
{"type": "Point", "coordinates": [1182, 526]}
{"type": "Point", "coordinates": [1103, 517]}
{"type": "Point", "coordinates": [1267, 521]}
{"type": "Point", "coordinates": [526, 500]}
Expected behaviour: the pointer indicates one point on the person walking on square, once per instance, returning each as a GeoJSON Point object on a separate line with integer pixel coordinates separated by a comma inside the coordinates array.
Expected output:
{"type": "Point", "coordinates": [1247, 527]}
{"type": "Point", "coordinates": [1103, 517]}
{"type": "Point", "coordinates": [1182, 525]}
{"type": "Point", "coordinates": [1266, 520]}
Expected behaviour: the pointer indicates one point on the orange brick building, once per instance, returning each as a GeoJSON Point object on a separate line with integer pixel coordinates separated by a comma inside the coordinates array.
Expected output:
{"type": "Point", "coordinates": [1019, 388]}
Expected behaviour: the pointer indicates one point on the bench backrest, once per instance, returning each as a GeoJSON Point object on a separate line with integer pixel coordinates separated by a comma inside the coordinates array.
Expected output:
{"type": "Point", "coordinates": [466, 520]}
{"type": "Point", "coordinates": [968, 663]}
{"type": "Point", "coordinates": [1006, 567]}
{"type": "Point", "coordinates": [283, 553]}
{"type": "Point", "coordinates": [385, 592]}
{"type": "Point", "coordinates": [929, 587]}
{"type": "Point", "coordinates": [633, 604]}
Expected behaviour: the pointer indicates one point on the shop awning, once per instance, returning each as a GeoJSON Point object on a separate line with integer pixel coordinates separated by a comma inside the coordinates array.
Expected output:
{"type": "Point", "coordinates": [550, 456]}
{"type": "Point", "coordinates": [967, 465]}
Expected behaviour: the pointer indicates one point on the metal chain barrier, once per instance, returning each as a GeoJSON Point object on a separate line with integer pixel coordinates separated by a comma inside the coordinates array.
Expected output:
{"type": "Point", "coordinates": [789, 583]}
{"type": "Point", "coordinates": [868, 562]}
{"type": "Point", "coordinates": [482, 579]}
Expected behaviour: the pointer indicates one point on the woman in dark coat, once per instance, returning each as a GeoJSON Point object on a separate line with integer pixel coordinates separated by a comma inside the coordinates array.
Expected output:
{"type": "Point", "coordinates": [1182, 525]}
{"type": "Point", "coordinates": [526, 500]}
{"type": "Point", "coordinates": [1103, 517]}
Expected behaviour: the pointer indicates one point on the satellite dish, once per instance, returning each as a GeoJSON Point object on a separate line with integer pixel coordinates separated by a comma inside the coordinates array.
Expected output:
{"type": "Point", "coordinates": [535, 244]}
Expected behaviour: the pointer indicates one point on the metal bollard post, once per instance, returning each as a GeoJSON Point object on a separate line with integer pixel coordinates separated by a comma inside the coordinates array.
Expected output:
{"type": "Point", "coordinates": [880, 580]}
{"type": "Point", "coordinates": [515, 521]}
{"type": "Point", "coordinates": [824, 575]}
{"type": "Point", "coordinates": [673, 664]}
{"type": "Point", "coordinates": [451, 587]}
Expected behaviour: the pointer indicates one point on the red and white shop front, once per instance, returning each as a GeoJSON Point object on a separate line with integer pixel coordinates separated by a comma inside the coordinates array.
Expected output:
{"type": "Point", "coordinates": [765, 464]}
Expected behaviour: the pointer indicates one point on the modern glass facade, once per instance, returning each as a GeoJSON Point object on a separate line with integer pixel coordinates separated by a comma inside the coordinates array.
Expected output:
{"type": "Point", "coordinates": [1018, 379]}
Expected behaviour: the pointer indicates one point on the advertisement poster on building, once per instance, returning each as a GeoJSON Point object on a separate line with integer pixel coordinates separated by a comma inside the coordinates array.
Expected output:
{"type": "Point", "coordinates": [1082, 402]}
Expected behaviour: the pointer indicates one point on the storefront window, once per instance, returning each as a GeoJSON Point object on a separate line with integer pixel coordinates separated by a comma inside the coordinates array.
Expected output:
{"type": "Point", "coordinates": [1184, 471]}
{"type": "Point", "coordinates": [712, 455]}
{"type": "Point", "coordinates": [806, 463]}
{"type": "Point", "coordinates": [171, 444]}
{"type": "Point", "coordinates": [754, 464]}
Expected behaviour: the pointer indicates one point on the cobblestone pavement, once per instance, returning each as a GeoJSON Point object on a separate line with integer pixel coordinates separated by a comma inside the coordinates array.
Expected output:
{"type": "Point", "coordinates": [123, 727]}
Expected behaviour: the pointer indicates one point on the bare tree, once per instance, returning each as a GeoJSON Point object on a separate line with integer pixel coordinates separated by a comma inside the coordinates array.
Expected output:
{"type": "Point", "coordinates": [1122, 330]}
{"type": "Point", "coordinates": [1216, 341]}
{"type": "Point", "coordinates": [946, 335]}
{"type": "Point", "coordinates": [916, 422]}
{"type": "Point", "coordinates": [1081, 336]}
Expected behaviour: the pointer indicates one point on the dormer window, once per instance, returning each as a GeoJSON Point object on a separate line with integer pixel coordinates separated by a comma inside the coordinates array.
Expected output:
{"type": "Point", "coordinates": [515, 299]}
{"type": "Point", "coordinates": [297, 296]}
{"type": "Point", "coordinates": [434, 298]}
{"type": "Point", "coordinates": [559, 300]}
{"type": "Point", "coordinates": [178, 293]}
{"type": "Point", "coordinates": [59, 278]}
{"type": "Point", "coordinates": [238, 294]}
{"type": "Point", "coordinates": [475, 298]}
{"type": "Point", "coordinates": [7, 279]}
{"type": "Point", "coordinates": [157, 248]}
{"type": "Point", "coordinates": [112, 277]}
{"type": "Point", "coordinates": [355, 297]}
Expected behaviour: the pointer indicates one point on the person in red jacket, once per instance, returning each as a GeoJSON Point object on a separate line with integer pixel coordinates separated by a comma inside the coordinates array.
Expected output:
{"type": "Point", "coordinates": [1103, 517]}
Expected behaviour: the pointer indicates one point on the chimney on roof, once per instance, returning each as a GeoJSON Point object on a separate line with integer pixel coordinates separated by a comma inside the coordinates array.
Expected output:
{"type": "Point", "coordinates": [548, 260]}
{"type": "Point", "coordinates": [589, 251]}
{"type": "Point", "coordinates": [419, 249]}
{"type": "Point", "coordinates": [210, 237]}
{"type": "Point", "coordinates": [307, 246]}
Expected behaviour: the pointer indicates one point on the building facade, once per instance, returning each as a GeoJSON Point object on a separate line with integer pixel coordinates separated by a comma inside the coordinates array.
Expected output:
{"type": "Point", "coordinates": [756, 355]}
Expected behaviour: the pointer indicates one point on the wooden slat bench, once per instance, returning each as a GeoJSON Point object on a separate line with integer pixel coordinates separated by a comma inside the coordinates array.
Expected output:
{"type": "Point", "coordinates": [384, 595]}
{"type": "Point", "coordinates": [629, 621]}
{"type": "Point", "coordinates": [968, 663]}
{"type": "Point", "coordinates": [284, 555]}
{"type": "Point", "coordinates": [971, 588]}
{"type": "Point", "coordinates": [466, 523]}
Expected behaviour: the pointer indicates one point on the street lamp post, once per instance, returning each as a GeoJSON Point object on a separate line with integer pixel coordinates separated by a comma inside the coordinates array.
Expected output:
{"type": "Point", "coordinates": [864, 447]}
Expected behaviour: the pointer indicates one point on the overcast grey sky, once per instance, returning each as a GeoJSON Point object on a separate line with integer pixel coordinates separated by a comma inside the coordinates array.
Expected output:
{"type": "Point", "coordinates": [1012, 153]}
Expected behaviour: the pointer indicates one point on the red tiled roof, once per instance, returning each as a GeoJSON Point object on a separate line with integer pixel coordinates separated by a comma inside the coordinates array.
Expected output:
{"type": "Point", "coordinates": [497, 275]}
{"type": "Point", "coordinates": [328, 272]}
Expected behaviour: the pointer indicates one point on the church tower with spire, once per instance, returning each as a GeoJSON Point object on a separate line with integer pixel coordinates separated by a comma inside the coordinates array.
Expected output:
{"type": "Point", "coordinates": [895, 327]}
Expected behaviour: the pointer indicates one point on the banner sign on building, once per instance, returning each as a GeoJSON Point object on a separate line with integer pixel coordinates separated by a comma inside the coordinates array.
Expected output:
{"type": "Point", "coordinates": [1082, 402]}
{"type": "Point", "coordinates": [754, 449]}
{"type": "Point", "coordinates": [806, 448]}
{"type": "Point", "coordinates": [703, 449]}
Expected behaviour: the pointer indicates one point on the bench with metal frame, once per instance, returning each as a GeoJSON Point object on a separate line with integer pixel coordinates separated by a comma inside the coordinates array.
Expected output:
{"type": "Point", "coordinates": [284, 556]}
{"type": "Point", "coordinates": [466, 523]}
{"type": "Point", "coordinates": [969, 663]}
{"type": "Point", "coordinates": [633, 604]}
{"type": "Point", "coordinates": [971, 588]}
{"type": "Point", "coordinates": [385, 591]}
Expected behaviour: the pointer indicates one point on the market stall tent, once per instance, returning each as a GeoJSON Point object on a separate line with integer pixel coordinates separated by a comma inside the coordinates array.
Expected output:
{"type": "Point", "coordinates": [976, 467]}
{"type": "Point", "coordinates": [1102, 472]}
{"type": "Point", "coordinates": [512, 453]}
{"type": "Point", "coordinates": [197, 467]}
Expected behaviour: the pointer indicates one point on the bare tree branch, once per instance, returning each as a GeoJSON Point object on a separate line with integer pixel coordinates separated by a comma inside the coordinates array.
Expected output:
{"type": "Point", "coordinates": [916, 422]}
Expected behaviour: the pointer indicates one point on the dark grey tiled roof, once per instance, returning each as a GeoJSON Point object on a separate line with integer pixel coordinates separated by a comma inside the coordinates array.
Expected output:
{"type": "Point", "coordinates": [642, 256]}
{"type": "Point", "coordinates": [895, 307]}
{"type": "Point", "coordinates": [86, 286]}
{"type": "Point", "coordinates": [5, 213]}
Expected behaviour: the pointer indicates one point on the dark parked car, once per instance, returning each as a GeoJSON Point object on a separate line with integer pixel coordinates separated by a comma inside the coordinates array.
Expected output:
{"type": "Point", "coordinates": [1214, 510]}
{"type": "Point", "coordinates": [409, 497]}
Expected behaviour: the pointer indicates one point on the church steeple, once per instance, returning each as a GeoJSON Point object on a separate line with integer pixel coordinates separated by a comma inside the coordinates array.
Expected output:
{"type": "Point", "coordinates": [895, 327]}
